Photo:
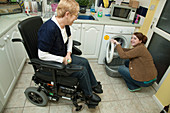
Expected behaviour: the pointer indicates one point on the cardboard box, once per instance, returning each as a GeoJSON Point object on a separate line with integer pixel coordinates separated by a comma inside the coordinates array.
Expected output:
{"type": "Point", "coordinates": [134, 3]}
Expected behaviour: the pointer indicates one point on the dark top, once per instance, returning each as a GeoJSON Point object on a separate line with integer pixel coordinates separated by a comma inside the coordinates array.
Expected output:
{"type": "Point", "coordinates": [50, 39]}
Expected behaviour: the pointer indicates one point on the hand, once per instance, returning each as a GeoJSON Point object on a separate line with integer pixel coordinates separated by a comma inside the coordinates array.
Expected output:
{"type": "Point", "coordinates": [114, 41]}
{"type": "Point", "coordinates": [67, 59]}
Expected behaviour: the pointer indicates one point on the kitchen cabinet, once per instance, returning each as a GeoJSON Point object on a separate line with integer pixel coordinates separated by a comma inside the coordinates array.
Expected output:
{"type": "Point", "coordinates": [90, 36]}
{"type": "Point", "coordinates": [18, 52]}
{"type": "Point", "coordinates": [7, 76]}
{"type": "Point", "coordinates": [76, 32]}
{"type": "Point", "coordinates": [12, 59]}
{"type": "Point", "coordinates": [1, 107]}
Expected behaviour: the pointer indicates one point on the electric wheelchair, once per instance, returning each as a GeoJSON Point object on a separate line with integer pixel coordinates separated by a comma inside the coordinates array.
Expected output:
{"type": "Point", "coordinates": [52, 78]}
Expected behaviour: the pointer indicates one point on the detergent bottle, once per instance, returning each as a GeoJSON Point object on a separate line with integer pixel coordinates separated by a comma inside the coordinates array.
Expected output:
{"type": "Point", "coordinates": [100, 11]}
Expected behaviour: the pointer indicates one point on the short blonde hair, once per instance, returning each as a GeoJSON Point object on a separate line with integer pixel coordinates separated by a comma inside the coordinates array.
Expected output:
{"type": "Point", "coordinates": [67, 5]}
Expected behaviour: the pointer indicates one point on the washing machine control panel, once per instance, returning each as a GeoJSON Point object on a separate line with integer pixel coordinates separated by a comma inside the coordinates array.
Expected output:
{"type": "Point", "coordinates": [119, 30]}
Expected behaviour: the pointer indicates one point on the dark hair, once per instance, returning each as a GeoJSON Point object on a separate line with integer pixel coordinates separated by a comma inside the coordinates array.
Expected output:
{"type": "Point", "coordinates": [140, 36]}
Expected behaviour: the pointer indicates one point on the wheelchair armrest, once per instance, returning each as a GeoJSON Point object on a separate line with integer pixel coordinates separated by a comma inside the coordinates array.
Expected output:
{"type": "Point", "coordinates": [76, 51]}
{"type": "Point", "coordinates": [17, 40]}
{"type": "Point", "coordinates": [76, 43]}
{"type": "Point", "coordinates": [47, 64]}
{"type": "Point", "coordinates": [70, 68]}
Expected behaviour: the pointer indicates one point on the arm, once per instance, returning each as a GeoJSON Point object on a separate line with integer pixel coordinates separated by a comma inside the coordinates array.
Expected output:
{"type": "Point", "coordinates": [135, 52]}
{"type": "Point", "coordinates": [49, 57]}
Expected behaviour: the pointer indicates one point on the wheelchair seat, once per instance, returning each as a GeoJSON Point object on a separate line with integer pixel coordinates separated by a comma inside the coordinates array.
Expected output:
{"type": "Point", "coordinates": [52, 78]}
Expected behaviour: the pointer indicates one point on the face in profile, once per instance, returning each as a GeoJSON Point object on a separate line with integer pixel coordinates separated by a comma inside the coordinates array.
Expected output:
{"type": "Point", "coordinates": [135, 40]}
{"type": "Point", "coordinates": [72, 18]}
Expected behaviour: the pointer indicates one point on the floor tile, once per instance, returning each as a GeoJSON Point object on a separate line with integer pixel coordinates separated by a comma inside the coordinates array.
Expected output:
{"type": "Point", "coordinates": [117, 80]}
{"type": "Point", "coordinates": [116, 97]}
{"type": "Point", "coordinates": [108, 93]}
{"type": "Point", "coordinates": [131, 106]}
{"type": "Point", "coordinates": [149, 105]}
{"type": "Point", "coordinates": [17, 99]}
{"type": "Point", "coordinates": [110, 107]}
{"type": "Point", "coordinates": [122, 92]}
{"type": "Point", "coordinates": [103, 77]}
{"type": "Point", "coordinates": [13, 110]}
{"type": "Point", "coordinates": [28, 69]}
{"type": "Point", "coordinates": [146, 91]}
{"type": "Point", "coordinates": [24, 81]}
{"type": "Point", "coordinates": [61, 109]}
{"type": "Point", "coordinates": [36, 109]}
{"type": "Point", "coordinates": [61, 102]}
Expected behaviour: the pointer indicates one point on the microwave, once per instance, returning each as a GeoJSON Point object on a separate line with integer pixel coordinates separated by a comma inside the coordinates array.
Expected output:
{"type": "Point", "coordinates": [122, 12]}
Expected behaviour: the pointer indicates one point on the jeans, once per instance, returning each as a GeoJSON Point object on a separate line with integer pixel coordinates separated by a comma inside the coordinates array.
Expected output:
{"type": "Point", "coordinates": [85, 77]}
{"type": "Point", "coordinates": [131, 83]}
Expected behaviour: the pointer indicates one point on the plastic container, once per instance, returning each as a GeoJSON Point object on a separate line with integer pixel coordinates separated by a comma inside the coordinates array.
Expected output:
{"type": "Point", "coordinates": [92, 9]}
{"type": "Point", "coordinates": [100, 11]}
{"type": "Point", "coordinates": [54, 6]}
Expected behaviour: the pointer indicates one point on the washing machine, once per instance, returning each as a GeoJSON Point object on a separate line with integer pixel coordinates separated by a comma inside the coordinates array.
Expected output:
{"type": "Point", "coordinates": [123, 36]}
{"type": "Point", "coordinates": [120, 33]}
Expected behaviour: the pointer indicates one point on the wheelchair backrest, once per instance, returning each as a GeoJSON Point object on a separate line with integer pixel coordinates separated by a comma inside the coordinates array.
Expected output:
{"type": "Point", "coordinates": [29, 32]}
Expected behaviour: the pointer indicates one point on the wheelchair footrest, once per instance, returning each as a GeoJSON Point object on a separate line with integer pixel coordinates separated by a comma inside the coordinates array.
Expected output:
{"type": "Point", "coordinates": [91, 106]}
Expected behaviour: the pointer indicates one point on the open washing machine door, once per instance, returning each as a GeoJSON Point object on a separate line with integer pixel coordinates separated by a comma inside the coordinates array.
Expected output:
{"type": "Point", "coordinates": [110, 49]}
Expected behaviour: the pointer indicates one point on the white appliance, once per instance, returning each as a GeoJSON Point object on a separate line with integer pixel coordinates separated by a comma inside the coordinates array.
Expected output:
{"type": "Point", "coordinates": [119, 33]}
{"type": "Point", "coordinates": [122, 12]}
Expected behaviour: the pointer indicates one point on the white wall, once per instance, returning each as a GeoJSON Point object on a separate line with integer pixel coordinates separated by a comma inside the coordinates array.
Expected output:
{"type": "Point", "coordinates": [144, 3]}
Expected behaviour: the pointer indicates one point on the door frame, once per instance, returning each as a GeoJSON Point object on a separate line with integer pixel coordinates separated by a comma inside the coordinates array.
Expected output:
{"type": "Point", "coordinates": [162, 33]}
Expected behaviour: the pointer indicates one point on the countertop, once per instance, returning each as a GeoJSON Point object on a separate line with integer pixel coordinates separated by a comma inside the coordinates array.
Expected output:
{"type": "Point", "coordinates": [8, 21]}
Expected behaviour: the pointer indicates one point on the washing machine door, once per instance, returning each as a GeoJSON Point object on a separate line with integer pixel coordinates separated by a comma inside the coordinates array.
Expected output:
{"type": "Point", "coordinates": [111, 51]}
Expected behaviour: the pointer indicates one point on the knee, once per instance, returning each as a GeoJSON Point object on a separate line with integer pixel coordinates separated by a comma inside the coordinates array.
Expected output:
{"type": "Point", "coordinates": [85, 61]}
{"type": "Point", "coordinates": [83, 73]}
{"type": "Point", "coordinates": [121, 68]}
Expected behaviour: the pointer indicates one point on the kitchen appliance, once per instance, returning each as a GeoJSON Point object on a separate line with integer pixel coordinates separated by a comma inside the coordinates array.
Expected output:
{"type": "Point", "coordinates": [123, 35]}
{"type": "Point", "coordinates": [122, 12]}
{"type": "Point", "coordinates": [10, 9]}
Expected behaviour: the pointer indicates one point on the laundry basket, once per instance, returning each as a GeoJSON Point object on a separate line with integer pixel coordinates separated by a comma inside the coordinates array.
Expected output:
{"type": "Point", "coordinates": [112, 68]}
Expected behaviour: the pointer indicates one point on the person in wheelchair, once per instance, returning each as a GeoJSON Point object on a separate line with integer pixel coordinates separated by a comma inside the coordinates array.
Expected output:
{"type": "Point", "coordinates": [55, 44]}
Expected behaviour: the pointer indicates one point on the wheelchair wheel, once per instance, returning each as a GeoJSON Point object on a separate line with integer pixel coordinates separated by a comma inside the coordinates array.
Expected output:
{"type": "Point", "coordinates": [36, 97]}
{"type": "Point", "coordinates": [79, 108]}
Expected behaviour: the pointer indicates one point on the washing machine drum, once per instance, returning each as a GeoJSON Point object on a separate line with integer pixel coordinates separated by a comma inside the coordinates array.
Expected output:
{"type": "Point", "coordinates": [110, 49]}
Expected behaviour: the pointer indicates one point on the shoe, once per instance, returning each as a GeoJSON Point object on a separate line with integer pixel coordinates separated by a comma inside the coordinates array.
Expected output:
{"type": "Point", "coordinates": [133, 90]}
{"type": "Point", "coordinates": [99, 83]}
{"type": "Point", "coordinates": [94, 97]}
{"type": "Point", "coordinates": [98, 88]}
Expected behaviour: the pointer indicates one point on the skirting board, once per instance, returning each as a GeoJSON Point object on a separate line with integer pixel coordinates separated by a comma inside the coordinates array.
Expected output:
{"type": "Point", "coordinates": [158, 102]}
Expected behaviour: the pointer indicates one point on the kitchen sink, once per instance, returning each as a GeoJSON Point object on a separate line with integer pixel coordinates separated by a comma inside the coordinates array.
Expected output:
{"type": "Point", "coordinates": [86, 17]}
{"type": "Point", "coordinates": [80, 16]}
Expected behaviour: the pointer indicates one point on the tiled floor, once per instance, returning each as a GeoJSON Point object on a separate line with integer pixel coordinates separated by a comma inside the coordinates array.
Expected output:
{"type": "Point", "coordinates": [115, 99]}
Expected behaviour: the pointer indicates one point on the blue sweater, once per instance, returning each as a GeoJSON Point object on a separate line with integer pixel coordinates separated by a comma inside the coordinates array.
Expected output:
{"type": "Point", "coordinates": [50, 39]}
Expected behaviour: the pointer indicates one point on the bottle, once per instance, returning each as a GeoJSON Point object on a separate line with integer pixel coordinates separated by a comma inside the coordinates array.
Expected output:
{"type": "Point", "coordinates": [100, 11]}
{"type": "Point", "coordinates": [92, 9]}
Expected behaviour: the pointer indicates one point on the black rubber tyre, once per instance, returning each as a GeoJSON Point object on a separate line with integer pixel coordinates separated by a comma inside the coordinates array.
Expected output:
{"type": "Point", "coordinates": [36, 97]}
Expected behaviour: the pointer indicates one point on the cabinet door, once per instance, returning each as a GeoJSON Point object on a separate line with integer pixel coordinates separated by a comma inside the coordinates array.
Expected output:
{"type": "Point", "coordinates": [91, 36]}
{"type": "Point", "coordinates": [76, 32]}
{"type": "Point", "coordinates": [17, 50]}
{"type": "Point", "coordinates": [1, 106]}
{"type": "Point", "coordinates": [7, 75]}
